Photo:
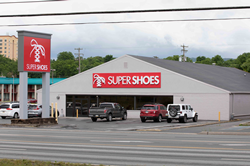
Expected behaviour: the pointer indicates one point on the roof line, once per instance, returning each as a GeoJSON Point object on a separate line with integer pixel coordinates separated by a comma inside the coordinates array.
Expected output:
{"type": "Point", "coordinates": [183, 75]}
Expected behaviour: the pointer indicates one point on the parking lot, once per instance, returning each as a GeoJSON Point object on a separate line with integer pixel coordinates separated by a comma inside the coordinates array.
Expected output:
{"type": "Point", "coordinates": [133, 123]}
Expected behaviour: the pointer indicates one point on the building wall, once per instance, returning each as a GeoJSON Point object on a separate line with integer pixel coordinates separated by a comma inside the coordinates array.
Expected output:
{"type": "Point", "coordinates": [207, 105]}
{"type": "Point", "coordinates": [196, 93]}
{"type": "Point", "coordinates": [9, 47]}
{"type": "Point", "coordinates": [241, 105]}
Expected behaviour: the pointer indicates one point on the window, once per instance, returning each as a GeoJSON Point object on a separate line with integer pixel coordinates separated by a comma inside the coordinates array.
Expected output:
{"type": "Point", "coordinates": [5, 47]}
{"type": "Point", "coordinates": [15, 106]}
{"type": "Point", "coordinates": [186, 107]}
{"type": "Point", "coordinates": [0, 51]}
{"type": "Point", "coordinates": [1, 44]}
{"type": "Point", "coordinates": [1, 48]}
{"type": "Point", "coordinates": [1, 40]}
{"type": "Point", "coordinates": [183, 107]}
{"type": "Point", "coordinates": [5, 40]}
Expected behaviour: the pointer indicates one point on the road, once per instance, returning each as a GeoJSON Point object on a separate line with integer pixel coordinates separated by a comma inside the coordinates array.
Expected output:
{"type": "Point", "coordinates": [123, 147]}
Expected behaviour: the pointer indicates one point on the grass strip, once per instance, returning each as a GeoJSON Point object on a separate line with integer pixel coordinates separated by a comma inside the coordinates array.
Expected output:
{"type": "Point", "coordinates": [25, 162]}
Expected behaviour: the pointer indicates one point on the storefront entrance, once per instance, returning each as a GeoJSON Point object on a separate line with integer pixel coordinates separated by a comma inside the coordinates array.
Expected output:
{"type": "Point", "coordinates": [82, 103]}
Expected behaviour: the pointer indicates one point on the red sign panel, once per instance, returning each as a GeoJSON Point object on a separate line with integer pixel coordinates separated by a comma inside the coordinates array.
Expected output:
{"type": "Point", "coordinates": [126, 80]}
{"type": "Point", "coordinates": [36, 54]}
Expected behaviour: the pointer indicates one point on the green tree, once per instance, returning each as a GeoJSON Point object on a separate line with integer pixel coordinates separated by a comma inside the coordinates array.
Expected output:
{"type": "Point", "coordinates": [108, 58]}
{"type": "Point", "coordinates": [246, 65]}
{"type": "Point", "coordinates": [65, 56]}
{"type": "Point", "coordinates": [218, 60]}
{"type": "Point", "coordinates": [8, 67]}
{"type": "Point", "coordinates": [200, 58]}
{"type": "Point", "coordinates": [173, 58]}
{"type": "Point", "coordinates": [65, 68]}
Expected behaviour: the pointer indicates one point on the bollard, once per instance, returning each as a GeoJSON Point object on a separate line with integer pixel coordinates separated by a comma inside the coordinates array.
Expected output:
{"type": "Point", "coordinates": [56, 112]}
{"type": "Point", "coordinates": [76, 113]}
{"type": "Point", "coordinates": [219, 116]}
{"type": "Point", "coordinates": [51, 115]}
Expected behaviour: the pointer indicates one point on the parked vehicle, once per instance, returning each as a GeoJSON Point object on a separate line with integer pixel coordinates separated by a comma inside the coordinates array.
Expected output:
{"type": "Point", "coordinates": [9, 110]}
{"type": "Point", "coordinates": [35, 110]}
{"type": "Point", "coordinates": [155, 112]}
{"type": "Point", "coordinates": [181, 112]}
{"type": "Point", "coordinates": [32, 100]}
{"type": "Point", "coordinates": [107, 110]}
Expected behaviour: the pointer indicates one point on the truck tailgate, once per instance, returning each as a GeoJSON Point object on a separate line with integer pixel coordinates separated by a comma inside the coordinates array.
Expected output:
{"type": "Point", "coordinates": [96, 111]}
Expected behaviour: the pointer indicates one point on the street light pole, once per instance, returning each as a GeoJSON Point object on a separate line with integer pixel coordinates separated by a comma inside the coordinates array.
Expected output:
{"type": "Point", "coordinates": [13, 89]}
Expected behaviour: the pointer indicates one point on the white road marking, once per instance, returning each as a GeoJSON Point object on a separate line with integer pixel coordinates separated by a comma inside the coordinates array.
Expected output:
{"type": "Point", "coordinates": [11, 149]}
{"type": "Point", "coordinates": [235, 159]}
{"type": "Point", "coordinates": [121, 141]}
{"type": "Point", "coordinates": [235, 144]}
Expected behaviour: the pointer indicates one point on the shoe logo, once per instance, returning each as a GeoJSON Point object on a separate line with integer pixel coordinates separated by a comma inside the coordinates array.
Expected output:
{"type": "Point", "coordinates": [99, 80]}
{"type": "Point", "coordinates": [38, 49]}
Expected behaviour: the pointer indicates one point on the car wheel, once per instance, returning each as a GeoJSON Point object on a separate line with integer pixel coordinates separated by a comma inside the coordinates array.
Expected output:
{"type": "Point", "coordinates": [169, 120]}
{"type": "Point", "coordinates": [3, 117]}
{"type": "Point", "coordinates": [184, 119]}
{"type": "Point", "coordinates": [173, 112]}
{"type": "Point", "coordinates": [15, 116]}
{"type": "Point", "coordinates": [143, 120]}
{"type": "Point", "coordinates": [195, 119]}
{"type": "Point", "coordinates": [109, 118]}
{"type": "Point", "coordinates": [94, 119]}
{"type": "Point", "coordinates": [124, 116]}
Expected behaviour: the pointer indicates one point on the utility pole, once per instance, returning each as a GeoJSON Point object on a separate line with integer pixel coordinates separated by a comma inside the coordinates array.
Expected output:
{"type": "Point", "coordinates": [184, 51]}
{"type": "Point", "coordinates": [79, 68]}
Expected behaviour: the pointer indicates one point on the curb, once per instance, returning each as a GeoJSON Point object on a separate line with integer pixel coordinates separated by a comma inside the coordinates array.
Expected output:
{"type": "Point", "coordinates": [181, 127]}
{"type": "Point", "coordinates": [223, 133]}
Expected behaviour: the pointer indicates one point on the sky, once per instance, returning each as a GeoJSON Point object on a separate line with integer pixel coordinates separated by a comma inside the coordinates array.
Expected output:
{"type": "Point", "coordinates": [203, 38]}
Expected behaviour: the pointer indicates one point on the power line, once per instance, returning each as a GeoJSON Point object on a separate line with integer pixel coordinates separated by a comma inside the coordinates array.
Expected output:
{"type": "Point", "coordinates": [2, 3]}
{"type": "Point", "coordinates": [127, 22]}
{"type": "Point", "coordinates": [131, 11]}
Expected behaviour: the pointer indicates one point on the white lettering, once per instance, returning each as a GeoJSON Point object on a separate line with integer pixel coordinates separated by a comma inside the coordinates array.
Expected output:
{"type": "Point", "coordinates": [144, 80]}
{"type": "Point", "coordinates": [128, 80]}
{"type": "Point", "coordinates": [151, 80]}
{"type": "Point", "coordinates": [157, 80]}
{"type": "Point", "coordinates": [134, 79]}
{"type": "Point", "coordinates": [110, 79]}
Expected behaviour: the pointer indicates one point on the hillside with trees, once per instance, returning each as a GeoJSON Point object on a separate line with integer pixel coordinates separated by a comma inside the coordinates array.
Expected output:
{"type": "Point", "coordinates": [242, 62]}
{"type": "Point", "coordinates": [66, 65]}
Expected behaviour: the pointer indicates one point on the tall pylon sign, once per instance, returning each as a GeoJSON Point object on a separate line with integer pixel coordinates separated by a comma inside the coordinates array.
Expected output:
{"type": "Point", "coordinates": [34, 56]}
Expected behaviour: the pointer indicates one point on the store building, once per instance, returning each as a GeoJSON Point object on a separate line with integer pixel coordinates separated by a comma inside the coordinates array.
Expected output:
{"type": "Point", "coordinates": [136, 80]}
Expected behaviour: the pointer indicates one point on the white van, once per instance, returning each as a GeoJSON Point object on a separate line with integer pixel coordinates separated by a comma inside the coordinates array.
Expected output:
{"type": "Point", "coordinates": [9, 110]}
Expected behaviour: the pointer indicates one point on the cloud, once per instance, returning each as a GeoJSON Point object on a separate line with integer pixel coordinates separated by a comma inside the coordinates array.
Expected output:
{"type": "Point", "coordinates": [207, 38]}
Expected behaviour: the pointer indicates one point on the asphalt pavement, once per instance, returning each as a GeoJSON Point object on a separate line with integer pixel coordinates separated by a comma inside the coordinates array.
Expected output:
{"type": "Point", "coordinates": [134, 124]}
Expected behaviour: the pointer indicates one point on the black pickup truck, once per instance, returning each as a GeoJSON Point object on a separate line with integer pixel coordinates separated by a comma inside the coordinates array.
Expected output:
{"type": "Point", "coordinates": [107, 110]}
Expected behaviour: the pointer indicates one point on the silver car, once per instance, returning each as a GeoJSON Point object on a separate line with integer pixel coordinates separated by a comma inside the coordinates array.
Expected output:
{"type": "Point", "coordinates": [35, 110]}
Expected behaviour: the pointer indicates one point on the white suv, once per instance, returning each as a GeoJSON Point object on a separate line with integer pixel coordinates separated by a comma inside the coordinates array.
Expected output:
{"type": "Point", "coordinates": [181, 112]}
{"type": "Point", "coordinates": [9, 110]}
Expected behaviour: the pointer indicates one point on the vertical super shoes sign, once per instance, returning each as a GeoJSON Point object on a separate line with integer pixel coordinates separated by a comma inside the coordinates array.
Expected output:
{"type": "Point", "coordinates": [36, 54]}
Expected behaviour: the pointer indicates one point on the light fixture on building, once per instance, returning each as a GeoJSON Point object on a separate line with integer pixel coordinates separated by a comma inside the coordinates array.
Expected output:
{"type": "Point", "coordinates": [182, 98]}
{"type": "Point", "coordinates": [58, 97]}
